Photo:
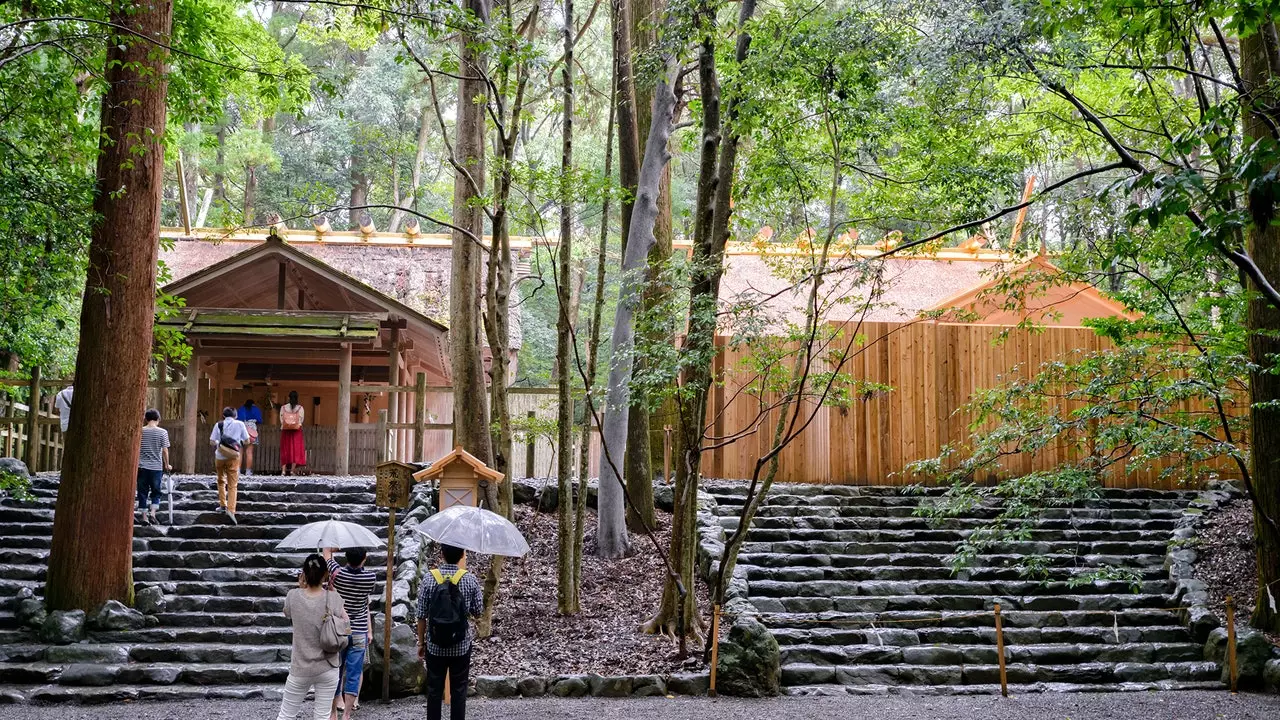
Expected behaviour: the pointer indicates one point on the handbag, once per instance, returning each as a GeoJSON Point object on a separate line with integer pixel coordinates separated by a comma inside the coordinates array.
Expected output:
{"type": "Point", "coordinates": [335, 626]}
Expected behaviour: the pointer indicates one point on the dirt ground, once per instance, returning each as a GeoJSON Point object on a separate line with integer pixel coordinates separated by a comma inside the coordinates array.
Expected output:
{"type": "Point", "coordinates": [1227, 562]}
{"type": "Point", "coordinates": [531, 638]}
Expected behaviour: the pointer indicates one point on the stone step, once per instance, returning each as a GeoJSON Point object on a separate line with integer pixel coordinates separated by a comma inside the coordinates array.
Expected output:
{"type": "Point", "coordinates": [814, 522]}
{"type": "Point", "coordinates": [279, 634]}
{"type": "Point", "coordinates": [1041, 654]}
{"type": "Point", "coordinates": [925, 635]}
{"type": "Point", "coordinates": [947, 548]}
{"type": "Point", "coordinates": [272, 576]}
{"type": "Point", "coordinates": [196, 560]}
{"type": "Point", "coordinates": [209, 516]}
{"type": "Point", "coordinates": [979, 512]}
{"type": "Point", "coordinates": [991, 560]}
{"type": "Point", "coordinates": [164, 544]}
{"type": "Point", "coordinates": [907, 501]}
{"type": "Point", "coordinates": [1026, 588]}
{"type": "Point", "coordinates": [114, 694]}
{"type": "Point", "coordinates": [941, 572]}
{"type": "Point", "coordinates": [900, 603]}
{"type": "Point", "coordinates": [739, 489]}
{"type": "Point", "coordinates": [1095, 673]}
{"type": "Point", "coordinates": [218, 604]}
{"type": "Point", "coordinates": [217, 619]}
{"type": "Point", "coordinates": [768, 535]}
{"type": "Point", "coordinates": [994, 689]}
{"type": "Point", "coordinates": [211, 653]}
{"type": "Point", "coordinates": [83, 674]}
{"type": "Point", "coordinates": [236, 589]}
{"type": "Point", "coordinates": [916, 619]}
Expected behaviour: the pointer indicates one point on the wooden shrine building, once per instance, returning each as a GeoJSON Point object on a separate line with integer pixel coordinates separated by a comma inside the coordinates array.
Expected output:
{"type": "Point", "coordinates": [264, 318]}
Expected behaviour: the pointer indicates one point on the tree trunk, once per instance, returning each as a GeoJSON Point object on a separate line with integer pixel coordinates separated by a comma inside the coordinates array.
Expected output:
{"type": "Point", "coordinates": [611, 533]}
{"type": "Point", "coordinates": [91, 556]}
{"type": "Point", "coordinates": [415, 174]}
{"type": "Point", "coordinates": [471, 421]}
{"type": "Point", "coordinates": [564, 334]}
{"type": "Point", "coordinates": [625, 106]}
{"type": "Point", "coordinates": [359, 196]}
{"type": "Point", "coordinates": [1263, 322]}
{"type": "Point", "coordinates": [250, 193]}
{"type": "Point", "coordinates": [219, 160]}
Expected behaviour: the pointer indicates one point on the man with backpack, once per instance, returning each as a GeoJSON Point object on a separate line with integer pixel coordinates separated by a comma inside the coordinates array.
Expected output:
{"type": "Point", "coordinates": [447, 600]}
{"type": "Point", "coordinates": [228, 436]}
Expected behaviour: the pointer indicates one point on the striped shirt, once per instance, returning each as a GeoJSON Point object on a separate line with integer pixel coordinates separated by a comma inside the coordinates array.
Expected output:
{"type": "Point", "coordinates": [154, 441]}
{"type": "Point", "coordinates": [471, 594]}
{"type": "Point", "coordinates": [355, 585]}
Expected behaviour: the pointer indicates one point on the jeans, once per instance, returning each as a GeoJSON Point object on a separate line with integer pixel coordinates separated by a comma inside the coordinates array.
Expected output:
{"type": "Point", "coordinates": [149, 484]}
{"type": "Point", "coordinates": [353, 664]}
{"type": "Point", "coordinates": [459, 669]}
{"type": "Point", "coordinates": [295, 692]}
{"type": "Point", "coordinates": [228, 478]}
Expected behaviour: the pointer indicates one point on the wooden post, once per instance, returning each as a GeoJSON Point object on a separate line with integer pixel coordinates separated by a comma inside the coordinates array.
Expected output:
{"type": "Point", "coordinates": [280, 288]}
{"type": "Point", "coordinates": [342, 444]}
{"type": "Point", "coordinates": [1231, 642]}
{"type": "Point", "coordinates": [666, 454]}
{"type": "Point", "coordinates": [420, 417]}
{"type": "Point", "coordinates": [162, 392]}
{"type": "Point", "coordinates": [393, 397]}
{"type": "Point", "coordinates": [191, 416]}
{"type": "Point", "coordinates": [381, 439]}
{"type": "Point", "coordinates": [1004, 678]}
{"type": "Point", "coordinates": [530, 442]}
{"type": "Point", "coordinates": [715, 645]}
{"type": "Point", "coordinates": [386, 609]}
{"type": "Point", "coordinates": [33, 421]}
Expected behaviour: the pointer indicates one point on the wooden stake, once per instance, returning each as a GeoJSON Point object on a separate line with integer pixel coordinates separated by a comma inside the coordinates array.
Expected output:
{"type": "Point", "coordinates": [33, 421]}
{"type": "Point", "coordinates": [1004, 679]}
{"type": "Point", "coordinates": [386, 609]}
{"type": "Point", "coordinates": [1022, 216]}
{"type": "Point", "coordinates": [666, 454]}
{"type": "Point", "coordinates": [184, 211]}
{"type": "Point", "coordinates": [1231, 642]}
{"type": "Point", "coordinates": [715, 637]}
{"type": "Point", "coordinates": [530, 445]}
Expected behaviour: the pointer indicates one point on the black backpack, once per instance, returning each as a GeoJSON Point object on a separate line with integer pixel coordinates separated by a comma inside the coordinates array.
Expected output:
{"type": "Point", "coordinates": [447, 614]}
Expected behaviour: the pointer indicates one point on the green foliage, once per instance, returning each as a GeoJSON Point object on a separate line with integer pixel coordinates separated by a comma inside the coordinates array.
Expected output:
{"type": "Point", "coordinates": [15, 486]}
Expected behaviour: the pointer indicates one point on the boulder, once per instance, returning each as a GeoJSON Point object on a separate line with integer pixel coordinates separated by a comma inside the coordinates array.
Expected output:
{"type": "Point", "coordinates": [86, 675]}
{"type": "Point", "coordinates": [497, 686]}
{"type": "Point", "coordinates": [1253, 652]}
{"type": "Point", "coordinates": [63, 627]}
{"type": "Point", "coordinates": [30, 612]}
{"type": "Point", "coordinates": [115, 615]}
{"type": "Point", "coordinates": [532, 686]}
{"type": "Point", "coordinates": [570, 686]}
{"type": "Point", "coordinates": [1201, 623]}
{"type": "Point", "coordinates": [548, 498]}
{"type": "Point", "coordinates": [749, 661]}
{"type": "Point", "coordinates": [14, 466]}
{"type": "Point", "coordinates": [407, 673]}
{"type": "Point", "coordinates": [150, 600]}
{"type": "Point", "coordinates": [648, 686]}
{"type": "Point", "coordinates": [1271, 675]}
{"type": "Point", "coordinates": [664, 497]}
{"type": "Point", "coordinates": [525, 493]}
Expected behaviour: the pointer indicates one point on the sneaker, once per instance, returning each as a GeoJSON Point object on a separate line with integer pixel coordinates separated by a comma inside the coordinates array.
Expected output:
{"type": "Point", "coordinates": [153, 520]}
{"type": "Point", "coordinates": [232, 517]}
{"type": "Point", "coordinates": [144, 520]}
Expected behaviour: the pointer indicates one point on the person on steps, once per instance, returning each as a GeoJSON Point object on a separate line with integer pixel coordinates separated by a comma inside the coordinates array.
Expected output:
{"type": "Point", "coordinates": [293, 451]}
{"type": "Point", "coordinates": [62, 401]}
{"type": "Point", "coordinates": [310, 667]}
{"type": "Point", "coordinates": [355, 584]}
{"type": "Point", "coordinates": [153, 461]}
{"type": "Point", "coordinates": [447, 598]}
{"type": "Point", "coordinates": [228, 436]}
{"type": "Point", "coordinates": [251, 415]}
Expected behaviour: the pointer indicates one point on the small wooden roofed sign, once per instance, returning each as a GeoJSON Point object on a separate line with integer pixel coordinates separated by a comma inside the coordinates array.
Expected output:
{"type": "Point", "coordinates": [461, 476]}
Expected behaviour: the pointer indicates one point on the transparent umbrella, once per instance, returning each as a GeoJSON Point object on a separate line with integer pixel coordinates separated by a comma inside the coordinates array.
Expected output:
{"type": "Point", "coordinates": [330, 533]}
{"type": "Point", "coordinates": [476, 530]}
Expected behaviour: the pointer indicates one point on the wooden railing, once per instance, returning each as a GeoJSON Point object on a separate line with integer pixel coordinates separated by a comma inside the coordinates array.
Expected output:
{"type": "Point", "coordinates": [36, 440]}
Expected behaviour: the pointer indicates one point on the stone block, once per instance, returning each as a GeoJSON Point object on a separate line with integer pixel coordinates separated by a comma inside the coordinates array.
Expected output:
{"type": "Point", "coordinates": [87, 653]}
{"type": "Point", "coordinates": [1271, 675]}
{"type": "Point", "coordinates": [149, 674]}
{"type": "Point", "coordinates": [612, 686]}
{"type": "Point", "coordinates": [86, 675]}
{"type": "Point", "coordinates": [1253, 652]}
{"type": "Point", "coordinates": [749, 661]}
{"type": "Point", "coordinates": [932, 655]}
{"type": "Point", "coordinates": [497, 686]}
{"type": "Point", "coordinates": [30, 612]}
{"type": "Point", "coordinates": [1200, 623]}
{"type": "Point", "coordinates": [150, 600]}
{"type": "Point", "coordinates": [570, 686]}
{"type": "Point", "coordinates": [648, 686]}
{"type": "Point", "coordinates": [63, 627]}
{"type": "Point", "coordinates": [1139, 672]}
{"type": "Point", "coordinates": [532, 686]}
{"type": "Point", "coordinates": [688, 683]}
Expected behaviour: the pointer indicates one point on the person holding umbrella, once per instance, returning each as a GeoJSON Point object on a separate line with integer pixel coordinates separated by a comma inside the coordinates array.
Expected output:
{"type": "Point", "coordinates": [447, 598]}
{"type": "Point", "coordinates": [310, 667]}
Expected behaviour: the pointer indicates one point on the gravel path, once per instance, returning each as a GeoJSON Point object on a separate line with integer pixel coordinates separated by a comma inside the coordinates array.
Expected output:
{"type": "Point", "coordinates": [1139, 706]}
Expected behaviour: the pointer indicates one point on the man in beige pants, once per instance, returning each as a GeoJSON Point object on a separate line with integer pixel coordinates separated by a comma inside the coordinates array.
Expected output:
{"type": "Point", "coordinates": [227, 438]}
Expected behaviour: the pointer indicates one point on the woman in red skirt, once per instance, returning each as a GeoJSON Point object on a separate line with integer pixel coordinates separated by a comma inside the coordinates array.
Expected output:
{"type": "Point", "coordinates": [293, 451]}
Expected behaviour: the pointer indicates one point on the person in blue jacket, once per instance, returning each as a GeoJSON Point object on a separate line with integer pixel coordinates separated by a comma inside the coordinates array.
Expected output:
{"type": "Point", "coordinates": [251, 415]}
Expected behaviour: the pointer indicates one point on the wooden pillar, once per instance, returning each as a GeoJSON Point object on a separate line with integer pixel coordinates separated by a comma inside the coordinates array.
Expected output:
{"type": "Point", "coordinates": [380, 444]}
{"type": "Point", "coordinates": [342, 447]}
{"type": "Point", "coordinates": [420, 418]}
{"type": "Point", "coordinates": [280, 289]}
{"type": "Point", "coordinates": [162, 393]}
{"type": "Point", "coordinates": [393, 378]}
{"type": "Point", "coordinates": [191, 412]}
{"type": "Point", "coordinates": [33, 421]}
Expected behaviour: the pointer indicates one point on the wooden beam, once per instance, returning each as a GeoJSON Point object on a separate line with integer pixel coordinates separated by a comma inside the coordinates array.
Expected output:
{"type": "Point", "coordinates": [303, 288]}
{"type": "Point", "coordinates": [280, 288]}
{"type": "Point", "coordinates": [191, 408]}
{"type": "Point", "coordinates": [183, 210]}
{"type": "Point", "coordinates": [343, 445]}
{"type": "Point", "coordinates": [393, 378]}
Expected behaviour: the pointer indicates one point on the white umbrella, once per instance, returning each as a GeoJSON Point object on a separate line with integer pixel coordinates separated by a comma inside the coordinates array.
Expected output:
{"type": "Point", "coordinates": [475, 529]}
{"type": "Point", "coordinates": [330, 534]}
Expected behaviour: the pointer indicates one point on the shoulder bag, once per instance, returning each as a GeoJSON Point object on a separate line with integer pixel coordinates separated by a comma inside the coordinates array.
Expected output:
{"type": "Point", "coordinates": [335, 626]}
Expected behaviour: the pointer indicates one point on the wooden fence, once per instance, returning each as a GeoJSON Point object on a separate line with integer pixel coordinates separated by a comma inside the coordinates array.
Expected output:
{"type": "Point", "coordinates": [933, 369]}
{"type": "Point", "coordinates": [16, 437]}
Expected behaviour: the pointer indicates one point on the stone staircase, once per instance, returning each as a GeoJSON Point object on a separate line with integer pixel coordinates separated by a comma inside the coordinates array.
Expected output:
{"type": "Point", "coordinates": [860, 595]}
{"type": "Point", "coordinates": [221, 632]}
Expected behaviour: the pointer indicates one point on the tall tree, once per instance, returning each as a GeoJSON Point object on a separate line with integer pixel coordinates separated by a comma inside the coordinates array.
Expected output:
{"type": "Point", "coordinates": [95, 498]}
{"type": "Point", "coordinates": [471, 416]}
{"type": "Point", "coordinates": [1260, 66]}
{"type": "Point", "coordinates": [564, 333]}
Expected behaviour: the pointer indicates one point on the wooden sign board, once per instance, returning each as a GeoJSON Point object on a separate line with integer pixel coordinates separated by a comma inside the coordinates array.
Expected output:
{"type": "Point", "coordinates": [394, 483]}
